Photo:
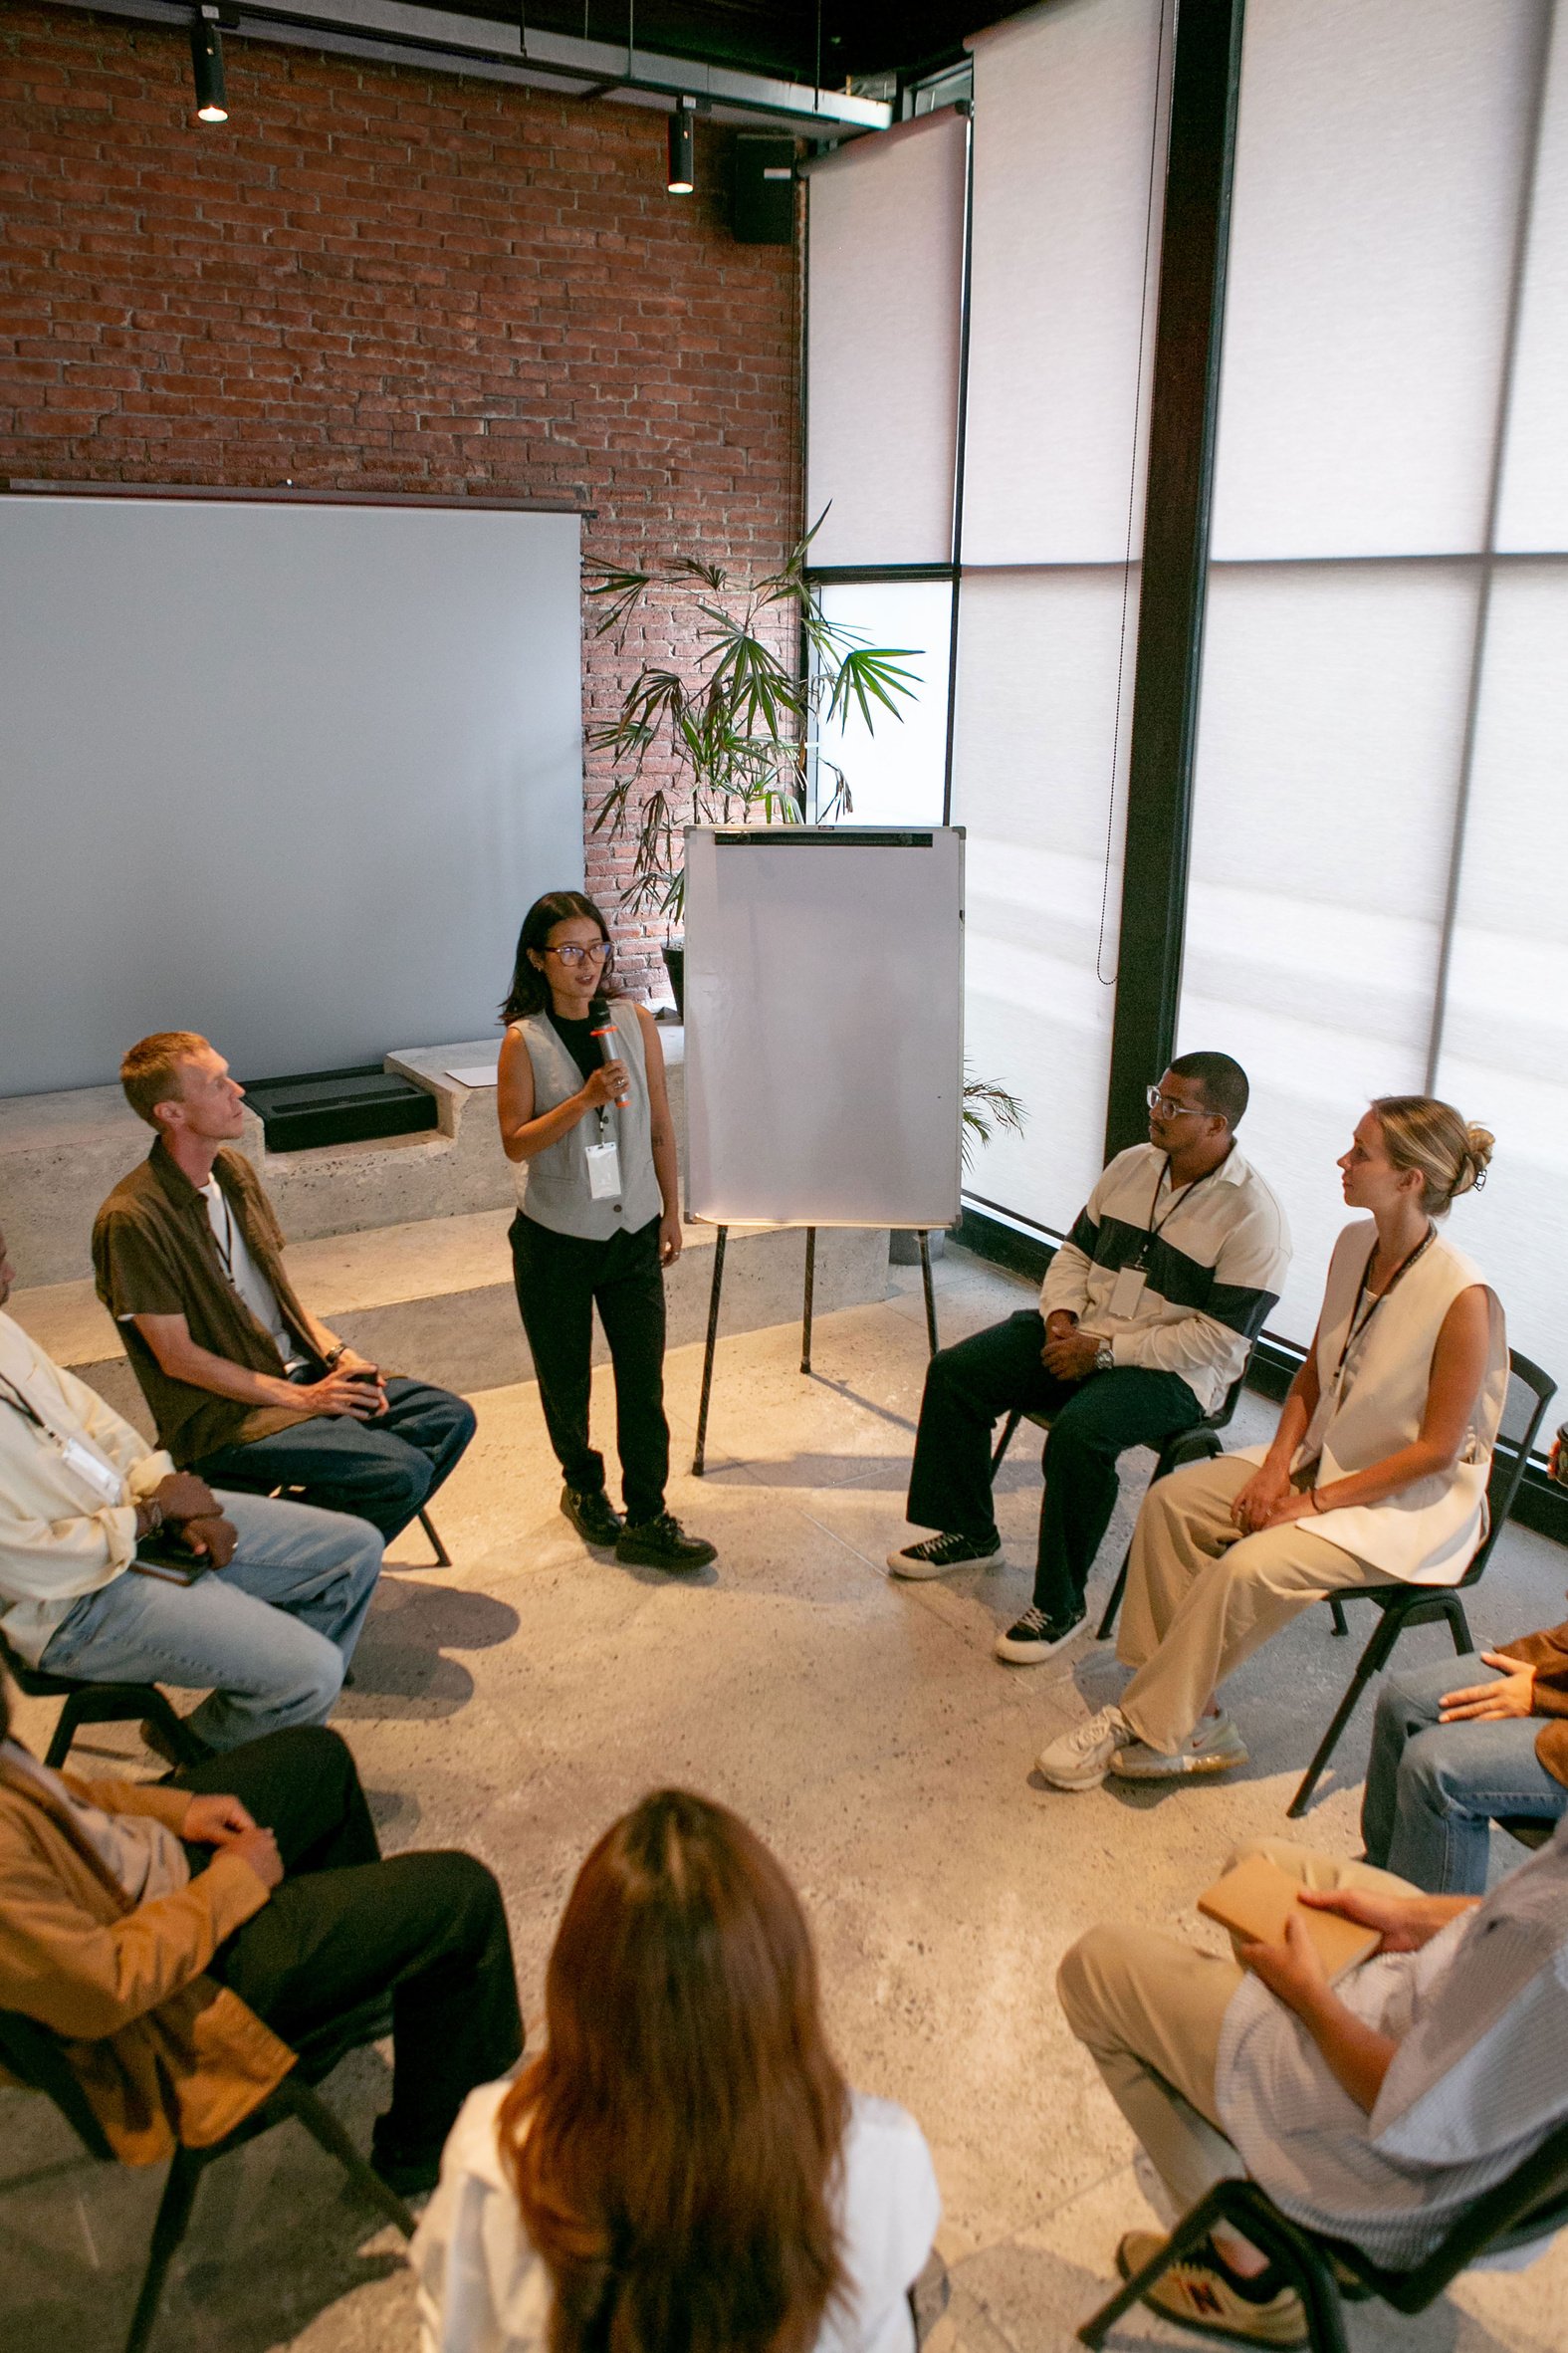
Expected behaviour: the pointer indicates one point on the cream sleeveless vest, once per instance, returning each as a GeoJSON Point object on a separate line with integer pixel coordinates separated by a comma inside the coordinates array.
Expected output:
{"type": "Point", "coordinates": [1425, 1534]}
{"type": "Point", "coordinates": [553, 1187]}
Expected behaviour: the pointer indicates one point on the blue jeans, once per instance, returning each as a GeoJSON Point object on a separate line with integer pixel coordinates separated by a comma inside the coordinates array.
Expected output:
{"type": "Point", "coordinates": [383, 1471]}
{"type": "Point", "coordinates": [268, 1636]}
{"type": "Point", "coordinates": [1433, 1790]}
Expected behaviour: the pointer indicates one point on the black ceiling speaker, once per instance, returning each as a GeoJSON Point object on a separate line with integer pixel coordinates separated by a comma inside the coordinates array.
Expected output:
{"type": "Point", "coordinates": [764, 211]}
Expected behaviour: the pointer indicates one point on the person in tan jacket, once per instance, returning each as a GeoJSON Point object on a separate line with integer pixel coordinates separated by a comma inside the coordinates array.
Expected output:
{"type": "Point", "coordinates": [1460, 1744]}
{"type": "Point", "coordinates": [181, 1937]}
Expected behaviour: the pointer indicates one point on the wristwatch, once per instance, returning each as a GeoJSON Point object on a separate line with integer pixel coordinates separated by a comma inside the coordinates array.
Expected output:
{"type": "Point", "coordinates": [1105, 1357]}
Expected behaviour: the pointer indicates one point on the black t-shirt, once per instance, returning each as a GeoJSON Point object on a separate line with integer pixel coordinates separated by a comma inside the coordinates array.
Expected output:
{"type": "Point", "coordinates": [580, 1042]}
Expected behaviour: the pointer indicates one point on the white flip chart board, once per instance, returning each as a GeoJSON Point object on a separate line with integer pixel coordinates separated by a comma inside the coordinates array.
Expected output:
{"type": "Point", "coordinates": [824, 1024]}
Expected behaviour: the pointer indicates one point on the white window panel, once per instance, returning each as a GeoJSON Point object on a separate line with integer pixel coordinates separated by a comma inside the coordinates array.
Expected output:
{"type": "Point", "coordinates": [1328, 762]}
{"type": "Point", "coordinates": [1379, 157]}
{"type": "Point", "coordinates": [896, 771]}
{"type": "Point", "coordinates": [1035, 736]}
{"type": "Point", "coordinates": [885, 282]}
{"type": "Point", "coordinates": [1506, 1031]}
{"type": "Point", "coordinates": [1535, 509]}
{"type": "Point", "coordinates": [1069, 114]}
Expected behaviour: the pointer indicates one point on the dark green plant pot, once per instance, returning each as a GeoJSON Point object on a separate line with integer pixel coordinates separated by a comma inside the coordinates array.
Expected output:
{"type": "Point", "coordinates": [675, 965]}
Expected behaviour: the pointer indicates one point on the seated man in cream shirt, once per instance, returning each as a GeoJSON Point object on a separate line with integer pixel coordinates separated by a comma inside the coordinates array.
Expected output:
{"type": "Point", "coordinates": [268, 1626]}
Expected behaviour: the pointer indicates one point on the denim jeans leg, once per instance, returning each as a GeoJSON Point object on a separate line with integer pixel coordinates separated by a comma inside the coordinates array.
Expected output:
{"type": "Point", "coordinates": [1455, 1781]}
{"type": "Point", "coordinates": [1407, 1704]}
{"type": "Point", "coordinates": [268, 1636]}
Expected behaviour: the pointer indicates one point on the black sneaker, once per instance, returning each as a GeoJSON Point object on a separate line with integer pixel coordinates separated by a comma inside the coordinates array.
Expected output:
{"type": "Point", "coordinates": [940, 1553]}
{"type": "Point", "coordinates": [154, 1737]}
{"type": "Point", "coordinates": [1036, 1636]}
{"type": "Point", "coordinates": [411, 2173]}
{"type": "Point", "coordinates": [663, 1544]}
{"type": "Point", "coordinates": [593, 1514]}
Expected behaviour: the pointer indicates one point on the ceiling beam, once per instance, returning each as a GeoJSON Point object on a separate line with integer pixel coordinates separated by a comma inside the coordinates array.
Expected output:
{"type": "Point", "coordinates": [402, 30]}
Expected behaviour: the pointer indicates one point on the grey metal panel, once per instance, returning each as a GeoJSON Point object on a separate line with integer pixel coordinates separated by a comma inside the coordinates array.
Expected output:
{"type": "Point", "coordinates": [825, 1039]}
{"type": "Point", "coordinates": [287, 775]}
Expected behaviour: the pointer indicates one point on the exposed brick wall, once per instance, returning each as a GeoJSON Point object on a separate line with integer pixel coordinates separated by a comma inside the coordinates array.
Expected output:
{"type": "Point", "coordinates": [373, 278]}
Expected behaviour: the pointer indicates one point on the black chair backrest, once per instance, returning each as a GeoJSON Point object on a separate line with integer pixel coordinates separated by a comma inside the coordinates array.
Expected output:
{"type": "Point", "coordinates": [1531, 2203]}
{"type": "Point", "coordinates": [1530, 1391]}
{"type": "Point", "coordinates": [33, 2055]}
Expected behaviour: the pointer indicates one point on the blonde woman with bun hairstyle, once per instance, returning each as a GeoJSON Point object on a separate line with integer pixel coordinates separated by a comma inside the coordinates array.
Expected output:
{"type": "Point", "coordinates": [1376, 1472]}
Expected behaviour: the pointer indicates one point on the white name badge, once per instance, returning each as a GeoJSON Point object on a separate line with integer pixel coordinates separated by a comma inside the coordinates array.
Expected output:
{"type": "Point", "coordinates": [90, 1467]}
{"type": "Point", "coordinates": [603, 1171]}
{"type": "Point", "coordinates": [1126, 1292]}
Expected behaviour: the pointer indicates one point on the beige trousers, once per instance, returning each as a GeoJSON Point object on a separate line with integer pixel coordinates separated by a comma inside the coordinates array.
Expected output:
{"type": "Point", "coordinates": [1148, 2009]}
{"type": "Point", "coordinates": [1201, 1597]}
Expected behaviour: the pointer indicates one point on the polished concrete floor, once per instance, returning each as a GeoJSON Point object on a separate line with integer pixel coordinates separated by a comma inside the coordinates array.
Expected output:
{"type": "Point", "coordinates": [516, 1703]}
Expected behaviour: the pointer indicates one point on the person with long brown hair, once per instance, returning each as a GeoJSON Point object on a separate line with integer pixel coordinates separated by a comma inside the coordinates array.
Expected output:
{"type": "Point", "coordinates": [683, 2169]}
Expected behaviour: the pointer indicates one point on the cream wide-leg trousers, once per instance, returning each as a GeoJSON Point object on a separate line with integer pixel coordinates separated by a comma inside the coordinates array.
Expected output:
{"type": "Point", "coordinates": [1148, 2007]}
{"type": "Point", "coordinates": [1201, 1597]}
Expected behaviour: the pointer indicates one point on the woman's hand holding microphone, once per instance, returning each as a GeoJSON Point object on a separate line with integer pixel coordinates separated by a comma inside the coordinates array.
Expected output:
{"type": "Point", "coordinates": [609, 1084]}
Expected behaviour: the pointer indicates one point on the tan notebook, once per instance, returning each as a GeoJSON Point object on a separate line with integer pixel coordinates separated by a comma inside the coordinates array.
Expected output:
{"type": "Point", "coordinates": [1258, 1898]}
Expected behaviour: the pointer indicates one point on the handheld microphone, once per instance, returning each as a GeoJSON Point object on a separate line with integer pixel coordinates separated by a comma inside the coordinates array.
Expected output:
{"type": "Point", "coordinates": [601, 1025]}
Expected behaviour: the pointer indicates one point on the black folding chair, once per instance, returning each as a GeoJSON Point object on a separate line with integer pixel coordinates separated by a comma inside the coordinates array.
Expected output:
{"type": "Point", "coordinates": [1195, 1445]}
{"type": "Point", "coordinates": [1530, 2205]}
{"type": "Point", "coordinates": [1530, 1391]}
{"type": "Point", "coordinates": [33, 2055]}
{"type": "Point", "coordinates": [99, 1703]}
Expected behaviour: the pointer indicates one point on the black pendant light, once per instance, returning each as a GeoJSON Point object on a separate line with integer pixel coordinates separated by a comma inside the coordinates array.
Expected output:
{"type": "Point", "coordinates": [683, 148]}
{"type": "Point", "coordinates": [206, 57]}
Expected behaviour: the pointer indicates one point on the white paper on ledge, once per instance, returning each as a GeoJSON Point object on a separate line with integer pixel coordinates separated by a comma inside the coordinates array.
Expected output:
{"type": "Point", "coordinates": [477, 1074]}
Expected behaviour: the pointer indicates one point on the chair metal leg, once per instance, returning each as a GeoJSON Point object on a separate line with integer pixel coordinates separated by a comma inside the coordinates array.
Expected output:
{"type": "Point", "coordinates": [329, 2134]}
{"type": "Point", "coordinates": [1384, 1636]}
{"type": "Point", "coordinates": [929, 1289]}
{"type": "Point", "coordinates": [64, 1732]}
{"type": "Point", "coordinates": [1005, 1441]}
{"type": "Point", "coordinates": [1459, 1625]}
{"type": "Point", "coordinates": [1107, 1623]}
{"type": "Point", "coordinates": [1188, 2231]}
{"type": "Point", "coordinates": [179, 2195]}
{"type": "Point", "coordinates": [443, 1558]}
{"type": "Point", "coordinates": [1338, 1610]}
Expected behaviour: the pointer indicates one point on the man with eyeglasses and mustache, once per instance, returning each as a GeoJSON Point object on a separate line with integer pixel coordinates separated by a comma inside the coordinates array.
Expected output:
{"type": "Point", "coordinates": [1146, 1316]}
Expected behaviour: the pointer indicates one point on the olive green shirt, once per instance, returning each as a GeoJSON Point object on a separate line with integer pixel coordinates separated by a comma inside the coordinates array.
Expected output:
{"type": "Point", "coordinates": [155, 1254]}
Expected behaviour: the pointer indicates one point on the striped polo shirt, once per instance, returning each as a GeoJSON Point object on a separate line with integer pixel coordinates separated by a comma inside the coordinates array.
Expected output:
{"type": "Point", "coordinates": [1213, 1255]}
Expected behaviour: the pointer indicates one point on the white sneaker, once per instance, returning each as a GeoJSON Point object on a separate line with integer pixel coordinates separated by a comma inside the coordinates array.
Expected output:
{"type": "Point", "coordinates": [1216, 1747]}
{"type": "Point", "coordinates": [1081, 1758]}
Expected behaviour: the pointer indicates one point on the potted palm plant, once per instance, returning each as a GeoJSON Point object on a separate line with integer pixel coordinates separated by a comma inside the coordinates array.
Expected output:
{"type": "Point", "coordinates": [727, 728]}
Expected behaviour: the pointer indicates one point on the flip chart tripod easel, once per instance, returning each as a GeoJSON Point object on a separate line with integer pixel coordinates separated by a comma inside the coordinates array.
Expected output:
{"type": "Point", "coordinates": [716, 1292]}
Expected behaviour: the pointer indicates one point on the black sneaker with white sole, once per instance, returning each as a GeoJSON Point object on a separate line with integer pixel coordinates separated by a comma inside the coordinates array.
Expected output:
{"type": "Point", "coordinates": [937, 1554]}
{"type": "Point", "coordinates": [1035, 1636]}
{"type": "Point", "coordinates": [663, 1544]}
{"type": "Point", "coordinates": [593, 1514]}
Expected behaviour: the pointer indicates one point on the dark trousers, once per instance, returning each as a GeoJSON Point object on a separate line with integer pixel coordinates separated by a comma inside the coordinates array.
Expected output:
{"type": "Point", "coordinates": [345, 1926]}
{"type": "Point", "coordinates": [1092, 1422]}
{"type": "Point", "coordinates": [383, 1471]}
{"type": "Point", "coordinates": [560, 1280]}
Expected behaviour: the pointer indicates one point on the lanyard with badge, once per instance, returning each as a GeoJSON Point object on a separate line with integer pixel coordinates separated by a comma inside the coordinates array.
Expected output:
{"type": "Point", "coordinates": [1370, 1300]}
{"type": "Point", "coordinates": [89, 1464]}
{"type": "Point", "coordinates": [1128, 1288]}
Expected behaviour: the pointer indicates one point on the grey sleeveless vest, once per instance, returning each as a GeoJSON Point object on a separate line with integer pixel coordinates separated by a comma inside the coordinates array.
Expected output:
{"type": "Point", "coordinates": [553, 1187]}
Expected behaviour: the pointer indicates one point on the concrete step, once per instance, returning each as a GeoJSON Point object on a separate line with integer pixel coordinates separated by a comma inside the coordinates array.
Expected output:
{"type": "Point", "coordinates": [433, 1297]}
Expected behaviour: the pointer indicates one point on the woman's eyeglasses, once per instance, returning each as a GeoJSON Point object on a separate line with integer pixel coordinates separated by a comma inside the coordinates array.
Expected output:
{"type": "Point", "coordinates": [573, 953]}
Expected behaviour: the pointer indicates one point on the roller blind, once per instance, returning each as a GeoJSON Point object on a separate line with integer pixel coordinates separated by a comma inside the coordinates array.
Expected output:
{"type": "Point", "coordinates": [885, 270]}
{"type": "Point", "coordinates": [1068, 149]}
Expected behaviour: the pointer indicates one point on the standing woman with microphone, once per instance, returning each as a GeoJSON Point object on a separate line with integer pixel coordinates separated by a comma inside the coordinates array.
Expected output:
{"type": "Point", "coordinates": [585, 1120]}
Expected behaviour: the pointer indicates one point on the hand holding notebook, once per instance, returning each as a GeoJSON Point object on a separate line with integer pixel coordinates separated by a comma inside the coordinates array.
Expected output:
{"type": "Point", "coordinates": [1258, 1899]}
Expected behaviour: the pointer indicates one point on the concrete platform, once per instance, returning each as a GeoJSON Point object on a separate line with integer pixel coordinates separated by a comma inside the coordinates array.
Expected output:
{"type": "Point", "coordinates": [513, 1703]}
{"type": "Point", "coordinates": [61, 1154]}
